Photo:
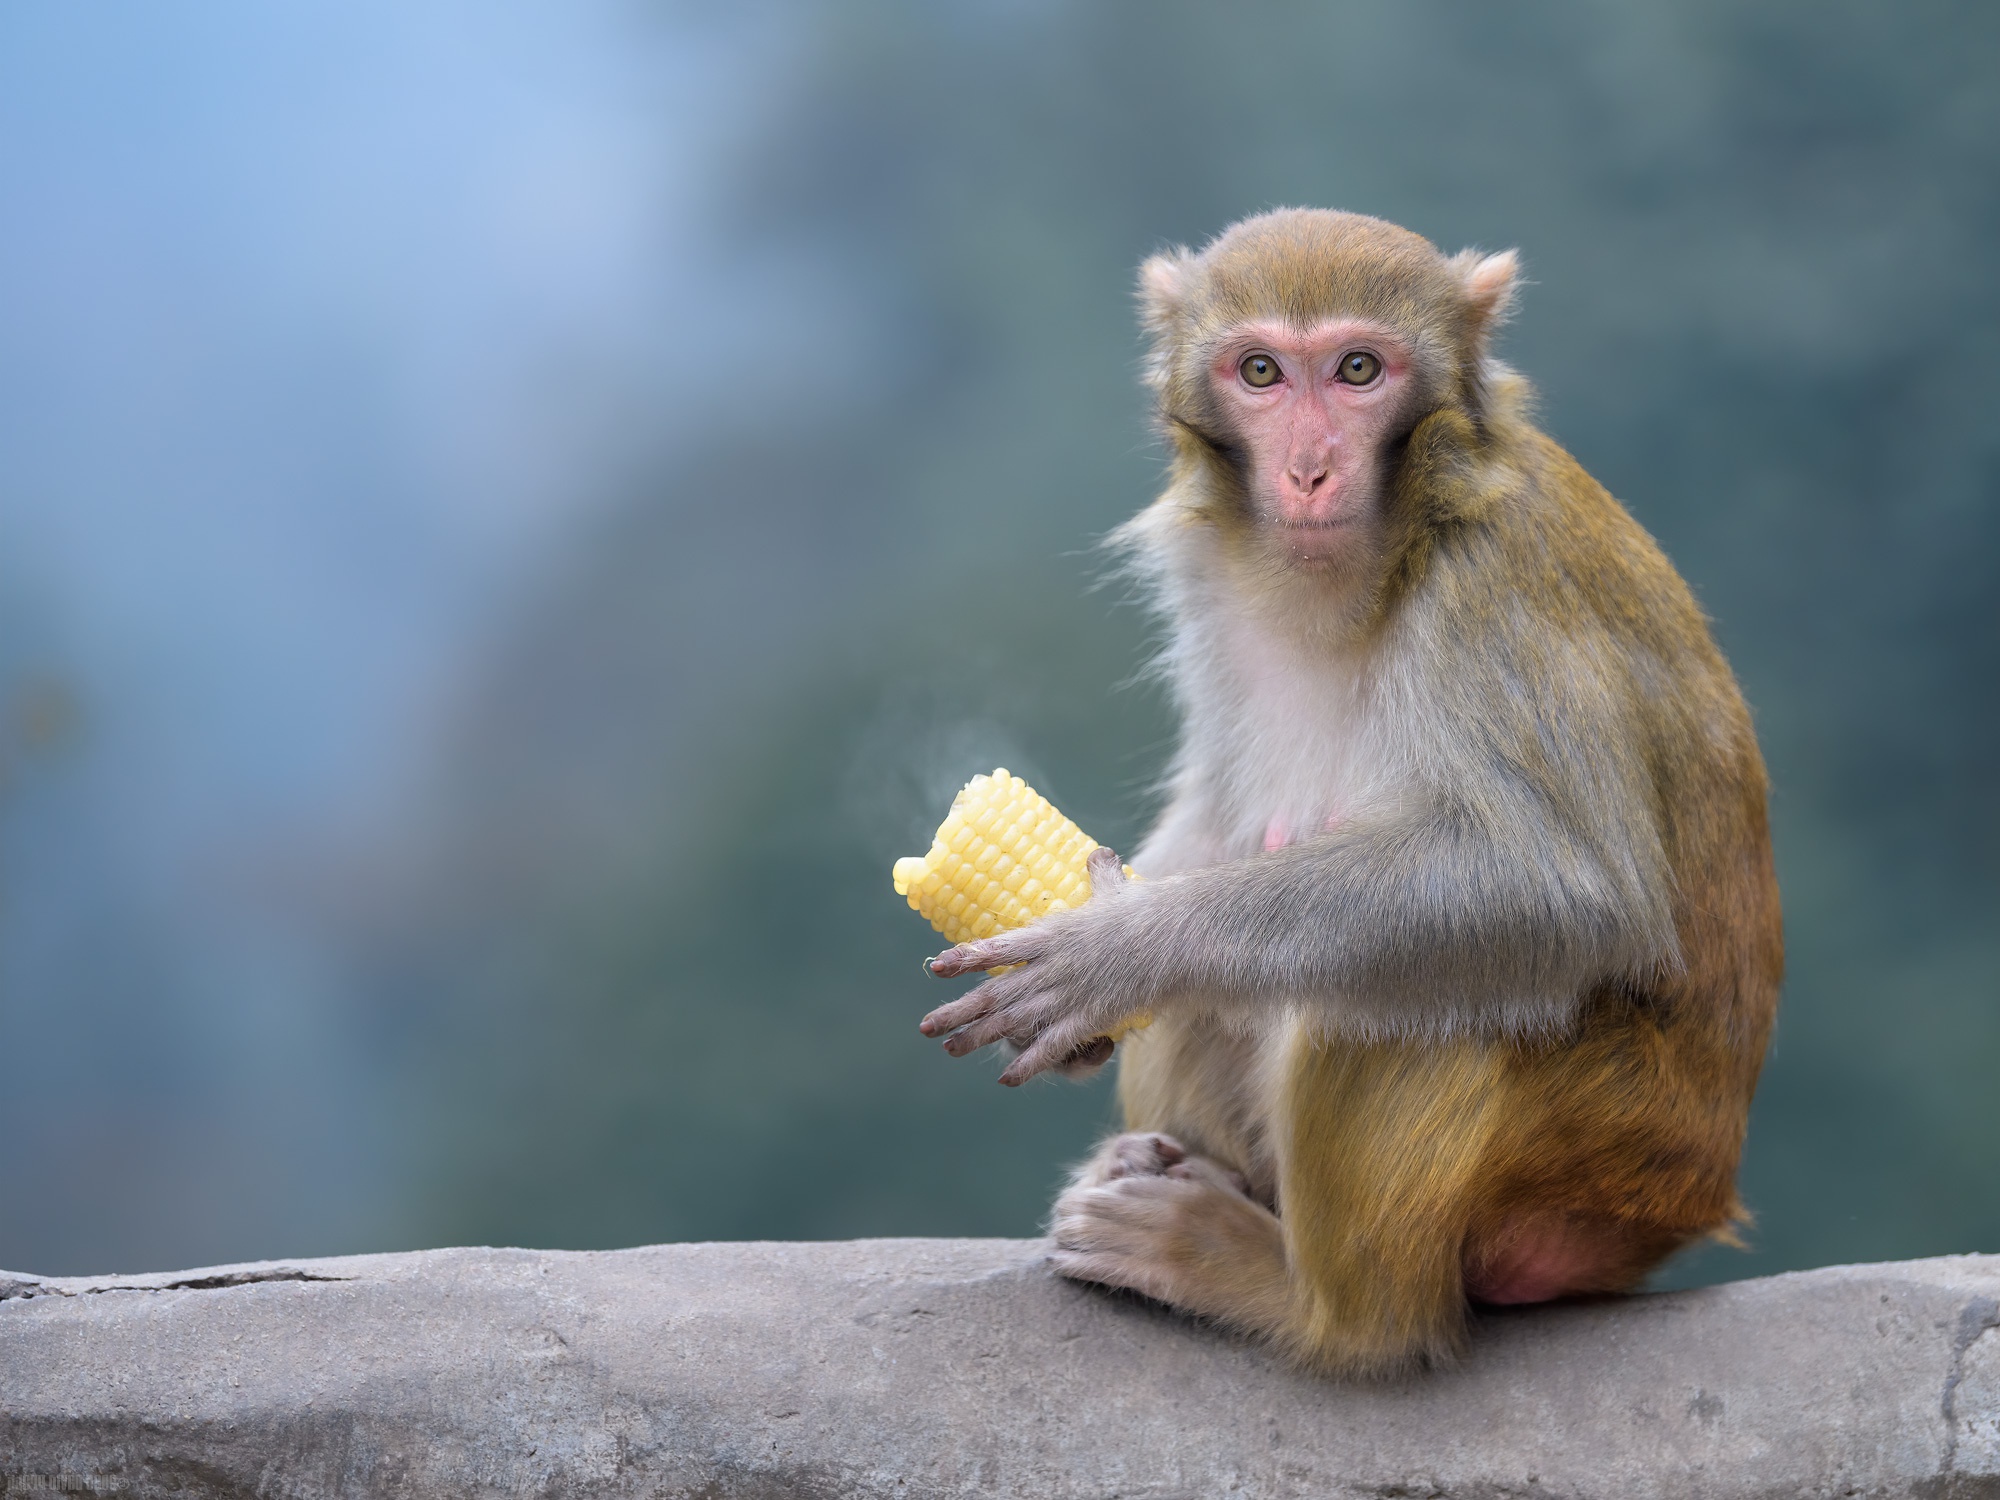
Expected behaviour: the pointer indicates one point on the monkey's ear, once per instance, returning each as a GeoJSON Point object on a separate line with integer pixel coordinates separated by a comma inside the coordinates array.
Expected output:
{"type": "Point", "coordinates": [1165, 284]}
{"type": "Point", "coordinates": [1489, 286]}
{"type": "Point", "coordinates": [1163, 289]}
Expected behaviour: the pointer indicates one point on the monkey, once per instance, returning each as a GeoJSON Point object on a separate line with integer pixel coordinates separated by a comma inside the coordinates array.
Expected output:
{"type": "Point", "coordinates": [1459, 923]}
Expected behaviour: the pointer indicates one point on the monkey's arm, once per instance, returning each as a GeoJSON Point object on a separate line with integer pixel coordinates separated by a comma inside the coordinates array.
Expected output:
{"type": "Point", "coordinates": [1418, 926]}
{"type": "Point", "coordinates": [1488, 908]}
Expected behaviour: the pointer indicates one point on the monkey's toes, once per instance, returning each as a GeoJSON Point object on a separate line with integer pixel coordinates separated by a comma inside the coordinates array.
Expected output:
{"type": "Point", "coordinates": [1142, 1153]}
{"type": "Point", "coordinates": [1214, 1173]}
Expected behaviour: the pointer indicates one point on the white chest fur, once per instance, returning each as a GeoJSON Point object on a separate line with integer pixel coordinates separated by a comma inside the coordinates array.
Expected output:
{"type": "Point", "coordinates": [1284, 738]}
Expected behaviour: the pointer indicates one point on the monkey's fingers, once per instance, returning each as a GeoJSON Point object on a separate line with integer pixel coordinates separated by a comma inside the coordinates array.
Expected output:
{"type": "Point", "coordinates": [964, 959]}
{"type": "Point", "coordinates": [974, 1005]}
{"type": "Point", "coordinates": [948, 1018]}
{"type": "Point", "coordinates": [1000, 1026]}
{"type": "Point", "coordinates": [1016, 947]}
{"type": "Point", "coordinates": [1016, 1013]}
{"type": "Point", "coordinates": [1052, 1049]}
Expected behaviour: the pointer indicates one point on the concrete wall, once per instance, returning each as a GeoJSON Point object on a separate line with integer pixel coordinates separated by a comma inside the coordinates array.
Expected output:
{"type": "Point", "coordinates": [960, 1367]}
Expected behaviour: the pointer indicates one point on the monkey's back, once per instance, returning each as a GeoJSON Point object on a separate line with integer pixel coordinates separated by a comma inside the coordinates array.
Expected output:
{"type": "Point", "coordinates": [1697, 743]}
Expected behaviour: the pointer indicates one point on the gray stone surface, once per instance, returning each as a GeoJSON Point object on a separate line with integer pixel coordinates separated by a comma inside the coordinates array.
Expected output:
{"type": "Point", "coordinates": [960, 1367]}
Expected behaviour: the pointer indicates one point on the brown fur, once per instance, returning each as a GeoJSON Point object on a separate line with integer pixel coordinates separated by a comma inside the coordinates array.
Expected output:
{"type": "Point", "coordinates": [1408, 1148]}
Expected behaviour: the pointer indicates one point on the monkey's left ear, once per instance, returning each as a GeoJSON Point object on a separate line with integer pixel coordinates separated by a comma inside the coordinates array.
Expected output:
{"type": "Point", "coordinates": [1489, 287]}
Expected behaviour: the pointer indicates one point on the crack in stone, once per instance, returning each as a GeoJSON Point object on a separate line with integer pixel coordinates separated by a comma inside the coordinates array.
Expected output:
{"type": "Point", "coordinates": [232, 1278]}
{"type": "Point", "coordinates": [22, 1289]}
{"type": "Point", "coordinates": [1980, 1317]}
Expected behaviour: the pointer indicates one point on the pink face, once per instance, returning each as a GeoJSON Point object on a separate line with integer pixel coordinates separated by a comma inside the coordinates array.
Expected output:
{"type": "Point", "coordinates": [1315, 411]}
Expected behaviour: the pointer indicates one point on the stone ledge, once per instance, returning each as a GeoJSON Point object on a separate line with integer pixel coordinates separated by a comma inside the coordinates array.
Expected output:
{"type": "Point", "coordinates": [957, 1368]}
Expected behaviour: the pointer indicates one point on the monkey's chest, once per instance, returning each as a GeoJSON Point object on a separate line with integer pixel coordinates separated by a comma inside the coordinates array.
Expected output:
{"type": "Point", "coordinates": [1287, 769]}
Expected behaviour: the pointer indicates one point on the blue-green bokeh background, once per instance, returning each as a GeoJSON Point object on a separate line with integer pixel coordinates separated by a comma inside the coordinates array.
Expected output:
{"type": "Point", "coordinates": [512, 515]}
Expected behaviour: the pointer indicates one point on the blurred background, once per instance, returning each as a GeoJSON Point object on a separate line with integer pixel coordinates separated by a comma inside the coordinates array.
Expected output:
{"type": "Point", "coordinates": [513, 515]}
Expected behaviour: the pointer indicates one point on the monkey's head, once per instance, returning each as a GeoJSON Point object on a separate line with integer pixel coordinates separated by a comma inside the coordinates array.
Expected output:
{"type": "Point", "coordinates": [1294, 356]}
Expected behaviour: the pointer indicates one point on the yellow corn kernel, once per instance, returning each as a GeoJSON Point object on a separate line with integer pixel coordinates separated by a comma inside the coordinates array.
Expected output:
{"type": "Point", "coordinates": [1002, 858]}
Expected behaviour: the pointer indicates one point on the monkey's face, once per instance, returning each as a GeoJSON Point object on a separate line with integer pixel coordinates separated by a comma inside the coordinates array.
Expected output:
{"type": "Point", "coordinates": [1315, 413]}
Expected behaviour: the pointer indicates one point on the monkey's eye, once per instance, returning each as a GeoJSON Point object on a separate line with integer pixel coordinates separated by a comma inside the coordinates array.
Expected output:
{"type": "Point", "coordinates": [1358, 368]}
{"type": "Point", "coordinates": [1260, 370]}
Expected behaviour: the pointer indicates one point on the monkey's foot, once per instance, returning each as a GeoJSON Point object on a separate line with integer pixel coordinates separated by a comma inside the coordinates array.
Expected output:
{"type": "Point", "coordinates": [1146, 1216]}
{"type": "Point", "coordinates": [1137, 1153]}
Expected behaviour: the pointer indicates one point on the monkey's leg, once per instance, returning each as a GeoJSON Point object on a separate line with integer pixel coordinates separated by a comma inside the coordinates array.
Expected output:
{"type": "Point", "coordinates": [1378, 1150]}
{"type": "Point", "coordinates": [1144, 1214]}
{"type": "Point", "coordinates": [1618, 1148]}
{"type": "Point", "coordinates": [1381, 1149]}
{"type": "Point", "coordinates": [1399, 1172]}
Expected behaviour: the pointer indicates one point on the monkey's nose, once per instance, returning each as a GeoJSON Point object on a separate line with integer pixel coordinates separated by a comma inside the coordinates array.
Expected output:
{"type": "Point", "coordinates": [1307, 478]}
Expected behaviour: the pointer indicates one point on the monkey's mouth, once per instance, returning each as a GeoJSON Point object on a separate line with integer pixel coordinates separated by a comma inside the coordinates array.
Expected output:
{"type": "Point", "coordinates": [1313, 547]}
{"type": "Point", "coordinates": [1308, 538]}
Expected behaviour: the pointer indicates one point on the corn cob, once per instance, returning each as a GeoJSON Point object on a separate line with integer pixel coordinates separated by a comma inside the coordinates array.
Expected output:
{"type": "Point", "coordinates": [1002, 858]}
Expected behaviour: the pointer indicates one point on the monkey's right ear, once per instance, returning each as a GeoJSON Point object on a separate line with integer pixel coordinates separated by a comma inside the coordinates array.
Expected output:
{"type": "Point", "coordinates": [1163, 288]}
{"type": "Point", "coordinates": [1164, 285]}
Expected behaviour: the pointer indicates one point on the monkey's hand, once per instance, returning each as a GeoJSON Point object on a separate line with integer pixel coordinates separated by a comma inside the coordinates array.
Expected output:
{"type": "Point", "coordinates": [1059, 995]}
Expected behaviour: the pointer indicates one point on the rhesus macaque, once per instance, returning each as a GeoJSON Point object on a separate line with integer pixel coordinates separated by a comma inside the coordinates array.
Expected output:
{"type": "Point", "coordinates": [1459, 926]}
